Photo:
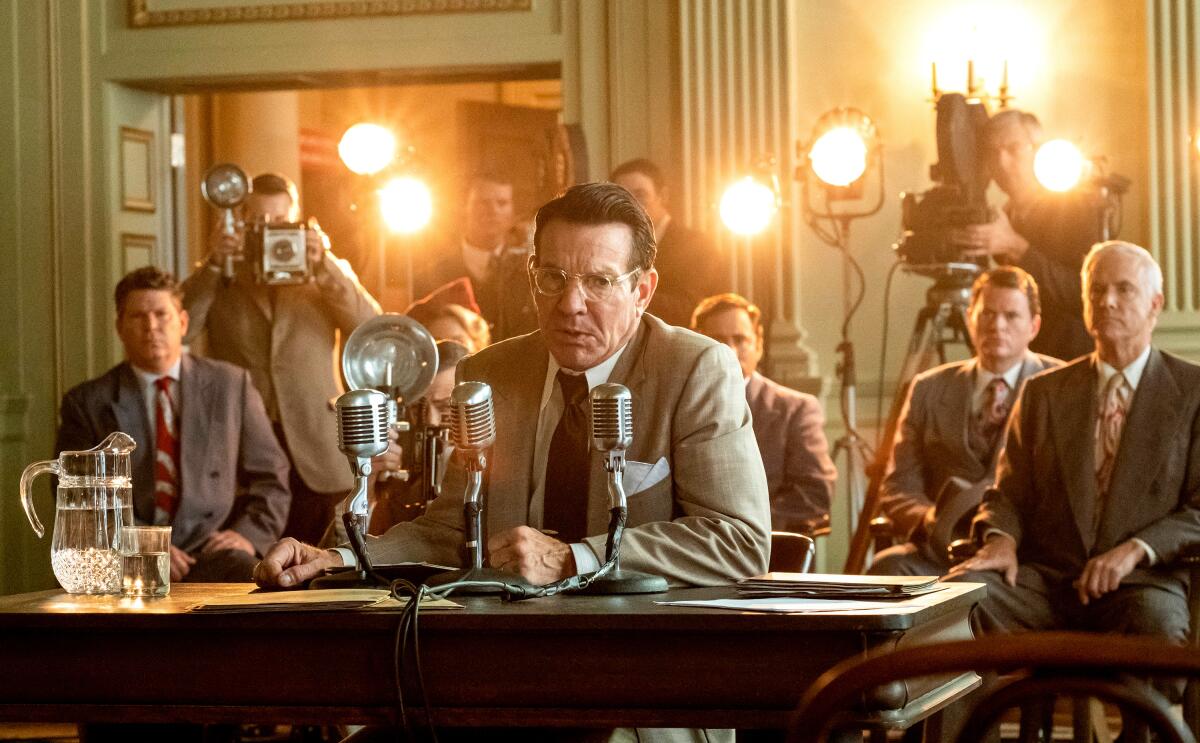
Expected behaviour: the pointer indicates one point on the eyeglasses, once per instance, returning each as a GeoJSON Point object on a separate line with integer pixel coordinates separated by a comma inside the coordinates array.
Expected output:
{"type": "Point", "coordinates": [596, 286]}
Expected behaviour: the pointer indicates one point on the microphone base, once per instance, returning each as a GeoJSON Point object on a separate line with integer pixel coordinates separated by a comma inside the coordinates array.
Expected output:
{"type": "Point", "coordinates": [346, 579]}
{"type": "Point", "coordinates": [478, 574]}
{"type": "Point", "coordinates": [620, 582]}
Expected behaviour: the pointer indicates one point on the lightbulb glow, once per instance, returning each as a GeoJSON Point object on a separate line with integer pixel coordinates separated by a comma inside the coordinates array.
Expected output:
{"type": "Point", "coordinates": [367, 149]}
{"type": "Point", "coordinates": [406, 204]}
{"type": "Point", "coordinates": [747, 206]}
{"type": "Point", "coordinates": [1059, 165]}
{"type": "Point", "coordinates": [839, 156]}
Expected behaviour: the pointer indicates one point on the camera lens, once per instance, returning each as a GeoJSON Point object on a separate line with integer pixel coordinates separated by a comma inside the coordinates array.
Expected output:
{"type": "Point", "coordinates": [283, 250]}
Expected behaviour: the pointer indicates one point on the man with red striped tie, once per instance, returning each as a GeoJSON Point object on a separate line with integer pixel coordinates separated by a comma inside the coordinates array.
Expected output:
{"type": "Point", "coordinates": [207, 461]}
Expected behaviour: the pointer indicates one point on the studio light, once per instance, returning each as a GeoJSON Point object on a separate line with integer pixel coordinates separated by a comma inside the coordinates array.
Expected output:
{"type": "Point", "coordinates": [367, 148]}
{"type": "Point", "coordinates": [1059, 165]}
{"type": "Point", "coordinates": [406, 204]}
{"type": "Point", "coordinates": [748, 205]}
{"type": "Point", "coordinates": [843, 142]}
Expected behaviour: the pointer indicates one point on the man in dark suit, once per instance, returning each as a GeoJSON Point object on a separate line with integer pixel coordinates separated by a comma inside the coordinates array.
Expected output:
{"type": "Point", "coordinates": [689, 266]}
{"type": "Point", "coordinates": [207, 462]}
{"type": "Point", "coordinates": [1098, 487]}
{"type": "Point", "coordinates": [788, 425]}
{"type": "Point", "coordinates": [952, 423]}
{"type": "Point", "coordinates": [1043, 232]}
{"type": "Point", "coordinates": [482, 254]}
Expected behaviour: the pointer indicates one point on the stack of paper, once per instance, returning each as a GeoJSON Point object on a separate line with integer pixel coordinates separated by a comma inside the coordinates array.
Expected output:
{"type": "Point", "coordinates": [826, 586]}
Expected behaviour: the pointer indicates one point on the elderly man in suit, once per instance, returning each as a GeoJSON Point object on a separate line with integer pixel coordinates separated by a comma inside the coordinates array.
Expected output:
{"type": "Point", "coordinates": [207, 462]}
{"type": "Point", "coordinates": [698, 504]}
{"type": "Point", "coordinates": [788, 425]}
{"type": "Point", "coordinates": [952, 423]}
{"type": "Point", "coordinates": [1098, 487]}
{"type": "Point", "coordinates": [287, 337]}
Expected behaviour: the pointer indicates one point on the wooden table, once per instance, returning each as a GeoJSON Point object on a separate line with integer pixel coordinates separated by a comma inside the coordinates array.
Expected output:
{"type": "Point", "coordinates": [566, 660]}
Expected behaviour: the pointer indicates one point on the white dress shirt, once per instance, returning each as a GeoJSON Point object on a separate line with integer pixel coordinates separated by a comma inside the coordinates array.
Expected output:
{"type": "Point", "coordinates": [146, 380]}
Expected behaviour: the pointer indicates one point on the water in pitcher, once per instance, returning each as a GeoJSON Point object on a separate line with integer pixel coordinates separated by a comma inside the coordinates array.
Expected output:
{"type": "Point", "coordinates": [87, 531]}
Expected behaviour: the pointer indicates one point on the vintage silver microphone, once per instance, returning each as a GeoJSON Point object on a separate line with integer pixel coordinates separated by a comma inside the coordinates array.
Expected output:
{"type": "Point", "coordinates": [612, 434]}
{"type": "Point", "coordinates": [363, 418]}
{"type": "Point", "coordinates": [473, 431]}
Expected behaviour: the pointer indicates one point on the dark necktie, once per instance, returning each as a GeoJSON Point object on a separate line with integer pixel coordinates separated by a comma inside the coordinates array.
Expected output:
{"type": "Point", "coordinates": [989, 422]}
{"type": "Point", "coordinates": [166, 452]}
{"type": "Point", "coordinates": [568, 463]}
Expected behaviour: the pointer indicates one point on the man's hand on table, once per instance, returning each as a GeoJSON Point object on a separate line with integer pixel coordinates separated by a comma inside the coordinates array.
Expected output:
{"type": "Point", "coordinates": [538, 558]}
{"type": "Point", "coordinates": [290, 563]}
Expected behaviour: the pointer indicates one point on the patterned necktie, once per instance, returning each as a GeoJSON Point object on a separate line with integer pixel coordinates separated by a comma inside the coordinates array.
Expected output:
{"type": "Point", "coordinates": [1113, 407]}
{"type": "Point", "coordinates": [989, 422]}
{"type": "Point", "coordinates": [166, 452]}
{"type": "Point", "coordinates": [568, 463]}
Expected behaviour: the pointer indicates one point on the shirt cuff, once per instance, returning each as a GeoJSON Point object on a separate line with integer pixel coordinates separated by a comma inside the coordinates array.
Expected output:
{"type": "Point", "coordinates": [585, 560]}
{"type": "Point", "coordinates": [348, 558]}
{"type": "Point", "coordinates": [1151, 555]}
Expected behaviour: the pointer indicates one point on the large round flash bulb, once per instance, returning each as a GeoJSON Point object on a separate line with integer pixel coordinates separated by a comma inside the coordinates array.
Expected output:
{"type": "Point", "coordinates": [367, 148]}
{"type": "Point", "coordinates": [747, 206]}
{"type": "Point", "coordinates": [839, 156]}
{"type": "Point", "coordinates": [1059, 165]}
{"type": "Point", "coordinates": [406, 205]}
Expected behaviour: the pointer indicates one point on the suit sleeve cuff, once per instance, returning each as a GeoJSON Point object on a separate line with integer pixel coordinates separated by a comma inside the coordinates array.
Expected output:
{"type": "Point", "coordinates": [989, 533]}
{"type": "Point", "coordinates": [1151, 555]}
{"type": "Point", "coordinates": [585, 560]}
{"type": "Point", "coordinates": [348, 558]}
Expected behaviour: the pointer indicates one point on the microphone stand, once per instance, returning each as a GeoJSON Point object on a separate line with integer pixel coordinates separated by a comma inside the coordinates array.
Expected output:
{"type": "Point", "coordinates": [617, 580]}
{"type": "Point", "coordinates": [356, 520]}
{"type": "Point", "coordinates": [472, 540]}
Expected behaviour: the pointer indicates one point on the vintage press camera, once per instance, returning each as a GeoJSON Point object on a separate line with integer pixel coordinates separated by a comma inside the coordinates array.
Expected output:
{"type": "Point", "coordinates": [960, 196]}
{"type": "Point", "coordinates": [278, 252]}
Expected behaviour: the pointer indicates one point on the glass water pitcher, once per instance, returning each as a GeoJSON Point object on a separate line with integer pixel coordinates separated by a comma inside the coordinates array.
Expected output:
{"type": "Point", "coordinates": [95, 499]}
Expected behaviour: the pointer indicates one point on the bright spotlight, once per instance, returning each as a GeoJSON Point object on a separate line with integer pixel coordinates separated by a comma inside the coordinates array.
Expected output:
{"type": "Point", "coordinates": [1059, 165]}
{"type": "Point", "coordinates": [747, 206]}
{"type": "Point", "coordinates": [839, 156]}
{"type": "Point", "coordinates": [406, 204]}
{"type": "Point", "coordinates": [367, 148]}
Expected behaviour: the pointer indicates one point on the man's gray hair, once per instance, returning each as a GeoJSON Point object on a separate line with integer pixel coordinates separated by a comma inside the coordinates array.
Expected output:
{"type": "Point", "coordinates": [1152, 278]}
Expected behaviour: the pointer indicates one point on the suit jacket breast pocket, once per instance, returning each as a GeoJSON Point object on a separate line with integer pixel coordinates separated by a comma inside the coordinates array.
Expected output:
{"type": "Point", "coordinates": [648, 491]}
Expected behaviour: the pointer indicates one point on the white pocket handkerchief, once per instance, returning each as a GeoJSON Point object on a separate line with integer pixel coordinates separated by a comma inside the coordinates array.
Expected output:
{"type": "Point", "coordinates": [640, 476]}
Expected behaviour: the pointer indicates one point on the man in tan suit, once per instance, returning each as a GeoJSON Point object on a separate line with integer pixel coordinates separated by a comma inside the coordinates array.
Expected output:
{"type": "Point", "coordinates": [1097, 489]}
{"type": "Point", "coordinates": [286, 336]}
{"type": "Point", "coordinates": [699, 512]}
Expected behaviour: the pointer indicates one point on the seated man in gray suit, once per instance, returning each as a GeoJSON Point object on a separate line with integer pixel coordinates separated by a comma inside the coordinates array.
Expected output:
{"type": "Point", "coordinates": [952, 422]}
{"type": "Point", "coordinates": [788, 425]}
{"type": "Point", "coordinates": [1097, 489]}
{"type": "Point", "coordinates": [206, 462]}
{"type": "Point", "coordinates": [699, 511]}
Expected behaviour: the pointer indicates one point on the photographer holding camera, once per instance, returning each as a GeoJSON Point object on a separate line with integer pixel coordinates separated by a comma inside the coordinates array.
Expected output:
{"type": "Point", "coordinates": [1045, 233]}
{"type": "Point", "coordinates": [280, 318]}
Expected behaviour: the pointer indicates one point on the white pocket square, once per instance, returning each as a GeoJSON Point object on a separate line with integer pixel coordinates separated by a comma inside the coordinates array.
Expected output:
{"type": "Point", "coordinates": [640, 476]}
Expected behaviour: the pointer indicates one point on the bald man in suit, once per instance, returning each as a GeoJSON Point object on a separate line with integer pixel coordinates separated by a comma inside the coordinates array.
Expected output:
{"type": "Point", "coordinates": [1098, 488]}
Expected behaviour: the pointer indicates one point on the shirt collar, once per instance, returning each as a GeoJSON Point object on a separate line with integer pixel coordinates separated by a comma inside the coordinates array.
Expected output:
{"type": "Point", "coordinates": [1011, 375]}
{"type": "Point", "coordinates": [148, 378]}
{"type": "Point", "coordinates": [598, 374]}
{"type": "Point", "coordinates": [1133, 372]}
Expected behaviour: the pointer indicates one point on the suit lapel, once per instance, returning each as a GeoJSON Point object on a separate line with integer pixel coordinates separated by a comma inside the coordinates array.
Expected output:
{"type": "Point", "coordinates": [518, 394]}
{"type": "Point", "coordinates": [1074, 441]}
{"type": "Point", "coordinates": [1152, 414]}
{"type": "Point", "coordinates": [128, 408]}
{"type": "Point", "coordinates": [629, 371]}
{"type": "Point", "coordinates": [954, 412]}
